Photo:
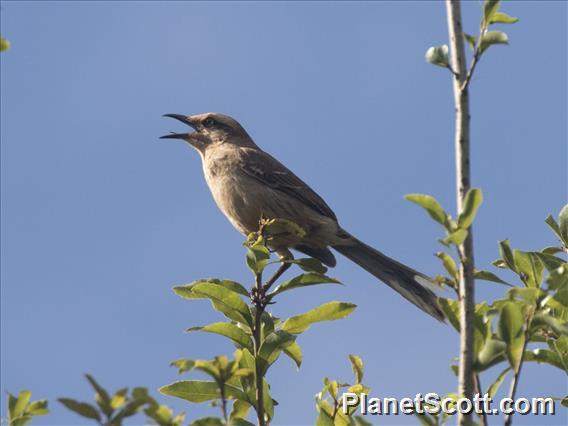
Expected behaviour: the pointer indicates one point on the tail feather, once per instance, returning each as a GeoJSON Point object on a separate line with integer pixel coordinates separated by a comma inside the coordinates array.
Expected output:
{"type": "Point", "coordinates": [409, 283]}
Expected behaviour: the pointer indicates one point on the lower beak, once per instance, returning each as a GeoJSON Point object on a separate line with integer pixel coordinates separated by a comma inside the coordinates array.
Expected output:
{"type": "Point", "coordinates": [173, 135]}
{"type": "Point", "coordinates": [184, 119]}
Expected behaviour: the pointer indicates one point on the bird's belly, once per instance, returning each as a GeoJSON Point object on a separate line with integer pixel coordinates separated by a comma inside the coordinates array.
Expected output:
{"type": "Point", "coordinates": [245, 202]}
{"type": "Point", "coordinates": [233, 199]}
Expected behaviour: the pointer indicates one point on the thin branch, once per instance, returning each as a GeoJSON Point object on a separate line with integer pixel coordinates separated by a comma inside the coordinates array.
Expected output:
{"type": "Point", "coordinates": [224, 403]}
{"type": "Point", "coordinates": [474, 61]}
{"type": "Point", "coordinates": [455, 74]}
{"type": "Point", "coordinates": [483, 417]}
{"type": "Point", "coordinates": [283, 268]}
{"type": "Point", "coordinates": [517, 371]}
{"type": "Point", "coordinates": [257, 298]}
{"type": "Point", "coordinates": [462, 142]}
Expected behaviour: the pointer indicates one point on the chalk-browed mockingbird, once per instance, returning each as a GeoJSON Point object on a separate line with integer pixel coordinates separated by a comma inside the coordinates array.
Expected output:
{"type": "Point", "coordinates": [248, 184]}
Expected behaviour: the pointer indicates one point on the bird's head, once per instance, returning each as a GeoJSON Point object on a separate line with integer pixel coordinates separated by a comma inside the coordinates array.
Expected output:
{"type": "Point", "coordinates": [211, 129]}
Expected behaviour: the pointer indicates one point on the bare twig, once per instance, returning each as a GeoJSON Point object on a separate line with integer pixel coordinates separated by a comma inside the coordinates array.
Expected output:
{"type": "Point", "coordinates": [462, 142]}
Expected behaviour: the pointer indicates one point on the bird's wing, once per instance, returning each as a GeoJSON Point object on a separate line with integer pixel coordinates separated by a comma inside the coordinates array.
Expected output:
{"type": "Point", "coordinates": [269, 171]}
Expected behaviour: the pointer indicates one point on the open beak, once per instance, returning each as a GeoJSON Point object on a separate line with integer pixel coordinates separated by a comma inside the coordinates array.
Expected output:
{"type": "Point", "coordinates": [184, 119]}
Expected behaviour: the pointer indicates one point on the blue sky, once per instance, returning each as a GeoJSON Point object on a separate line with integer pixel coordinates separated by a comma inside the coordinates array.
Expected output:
{"type": "Point", "coordinates": [100, 218]}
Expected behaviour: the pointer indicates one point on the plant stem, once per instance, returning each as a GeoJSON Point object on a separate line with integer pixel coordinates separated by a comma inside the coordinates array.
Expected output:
{"type": "Point", "coordinates": [462, 142]}
{"type": "Point", "coordinates": [257, 338]}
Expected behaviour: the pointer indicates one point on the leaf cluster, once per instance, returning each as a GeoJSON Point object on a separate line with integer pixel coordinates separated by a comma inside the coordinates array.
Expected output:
{"type": "Point", "coordinates": [21, 409]}
{"type": "Point", "coordinates": [533, 311]}
{"type": "Point", "coordinates": [258, 336]}
{"type": "Point", "coordinates": [438, 55]}
{"type": "Point", "coordinates": [329, 402]}
{"type": "Point", "coordinates": [111, 410]}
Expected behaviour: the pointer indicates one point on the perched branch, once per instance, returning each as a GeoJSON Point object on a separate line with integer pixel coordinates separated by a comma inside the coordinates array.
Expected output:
{"type": "Point", "coordinates": [462, 143]}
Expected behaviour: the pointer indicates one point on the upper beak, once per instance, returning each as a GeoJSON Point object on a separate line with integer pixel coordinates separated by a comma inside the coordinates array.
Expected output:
{"type": "Point", "coordinates": [184, 119]}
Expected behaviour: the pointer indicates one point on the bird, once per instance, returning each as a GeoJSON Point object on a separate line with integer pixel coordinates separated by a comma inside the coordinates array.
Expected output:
{"type": "Point", "coordinates": [249, 184]}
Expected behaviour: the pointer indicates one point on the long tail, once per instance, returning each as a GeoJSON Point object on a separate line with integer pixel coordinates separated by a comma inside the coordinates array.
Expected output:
{"type": "Point", "coordinates": [404, 280]}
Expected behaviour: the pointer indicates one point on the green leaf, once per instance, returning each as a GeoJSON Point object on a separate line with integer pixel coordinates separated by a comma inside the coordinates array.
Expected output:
{"type": "Point", "coordinates": [499, 263]}
{"type": "Point", "coordinates": [101, 396]}
{"type": "Point", "coordinates": [294, 352]}
{"type": "Point", "coordinates": [490, 8]}
{"type": "Point", "coordinates": [186, 290]}
{"type": "Point", "coordinates": [240, 410]}
{"type": "Point", "coordinates": [234, 286]}
{"type": "Point", "coordinates": [11, 405]}
{"type": "Point", "coordinates": [19, 407]}
{"type": "Point", "coordinates": [529, 268]}
{"type": "Point", "coordinates": [236, 334]}
{"type": "Point", "coordinates": [81, 408]}
{"type": "Point", "coordinates": [279, 227]}
{"type": "Point", "coordinates": [4, 44]}
{"type": "Point", "coordinates": [119, 398]}
{"type": "Point", "coordinates": [563, 224]}
{"type": "Point", "coordinates": [471, 203]}
{"type": "Point", "coordinates": [558, 278]}
{"type": "Point", "coordinates": [507, 255]}
{"type": "Point", "coordinates": [309, 264]}
{"type": "Point", "coordinates": [449, 265]}
{"type": "Point", "coordinates": [183, 365]}
{"type": "Point", "coordinates": [491, 353]}
{"type": "Point", "coordinates": [303, 280]}
{"type": "Point", "coordinates": [529, 295]}
{"type": "Point", "coordinates": [511, 330]}
{"type": "Point", "coordinates": [200, 391]}
{"type": "Point", "coordinates": [471, 40]}
{"type": "Point", "coordinates": [492, 390]}
{"type": "Point", "coordinates": [271, 348]}
{"type": "Point", "coordinates": [492, 37]}
{"type": "Point", "coordinates": [326, 312]}
{"type": "Point", "coordinates": [437, 55]}
{"type": "Point", "coordinates": [240, 422]}
{"type": "Point", "coordinates": [208, 421]}
{"type": "Point", "coordinates": [489, 276]}
{"type": "Point", "coordinates": [554, 226]}
{"type": "Point", "coordinates": [225, 301]}
{"type": "Point", "coordinates": [357, 366]}
{"type": "Point", "coordinates": [432, 207]}
{"type": "Point", "coordinates": [552, 250]}
{"type": "Point", "coordinates": [503, 18]}
{"type": "Point", "coordinates": [457, 237]}
{"type": "Point", "coordinates": [131, 408]}
{"type": "Point", "coordinates": [257, 258]}
{"type": "Point", "coordinates": [549, 261]}
{"type": "Point", "coordinates": [550, 324]}
{"type": "Point", "coordinates": [324, 419]}
{"type": "Point", "coordinates": [560, 347]}
{"type": "Point", "coordinates": [38, 408]}
{"type": "Point", "coordinates": [451, 309]}
{"type": "Point", "coordinates": [268, 402]}
{"type": "Point", "coordinates": [544, 356]}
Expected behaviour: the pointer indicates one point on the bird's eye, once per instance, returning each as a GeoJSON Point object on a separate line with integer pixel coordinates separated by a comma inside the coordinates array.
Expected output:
{"type": "Point", "coordinates": [208, 122]}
